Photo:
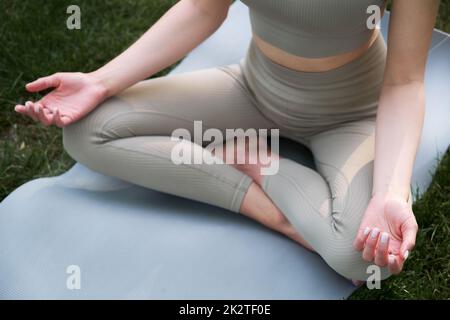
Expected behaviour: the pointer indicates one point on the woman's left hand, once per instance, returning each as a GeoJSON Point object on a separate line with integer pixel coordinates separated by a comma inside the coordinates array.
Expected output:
{"type": "Point", "coordinates": [387, 233]}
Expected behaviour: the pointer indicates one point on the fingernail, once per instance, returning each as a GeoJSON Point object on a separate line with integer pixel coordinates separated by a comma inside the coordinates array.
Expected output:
{"type": "Point", "coordinates": [374, 233]}
{"type": "Point", "coordinates": [384, 237]}
{"type": "Point", "coordinates": [391, 259]}
{"type": "Point", "coordinates": [366, 231]}
{"type": "Point", "coordinates": [406, 254]}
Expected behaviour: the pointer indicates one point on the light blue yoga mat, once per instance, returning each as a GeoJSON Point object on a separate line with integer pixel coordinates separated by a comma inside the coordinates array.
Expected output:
{"type": "Point", "coordinates": [128, 242]}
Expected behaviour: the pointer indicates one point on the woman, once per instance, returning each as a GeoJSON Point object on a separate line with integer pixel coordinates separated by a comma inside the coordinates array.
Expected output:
{"type": "Point", "coordinates": [316, 71]}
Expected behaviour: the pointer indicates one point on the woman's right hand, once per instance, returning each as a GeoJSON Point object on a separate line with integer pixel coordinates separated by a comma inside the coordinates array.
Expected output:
{"type": "Point", "coordinates": [74, 95]}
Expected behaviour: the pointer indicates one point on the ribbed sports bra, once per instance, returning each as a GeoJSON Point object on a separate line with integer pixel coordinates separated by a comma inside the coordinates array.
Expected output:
{"type": "Point", "coordinates": [313, 28]}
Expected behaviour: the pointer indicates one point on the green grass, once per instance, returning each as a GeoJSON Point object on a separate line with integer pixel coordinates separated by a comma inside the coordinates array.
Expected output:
{"type": "Point", "coordinates": [35, 42]}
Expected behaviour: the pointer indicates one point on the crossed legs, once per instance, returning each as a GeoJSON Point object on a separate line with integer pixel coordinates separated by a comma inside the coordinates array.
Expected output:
{"type": "Point", "coordinates": [128, 136]}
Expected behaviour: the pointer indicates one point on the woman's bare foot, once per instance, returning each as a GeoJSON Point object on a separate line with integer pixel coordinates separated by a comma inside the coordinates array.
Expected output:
{"type": "Point", "coordinates": [357, 283]}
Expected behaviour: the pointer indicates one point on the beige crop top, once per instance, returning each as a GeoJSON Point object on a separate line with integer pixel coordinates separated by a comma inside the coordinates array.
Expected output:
{"type": "Point", "coordinates": [315, 28]}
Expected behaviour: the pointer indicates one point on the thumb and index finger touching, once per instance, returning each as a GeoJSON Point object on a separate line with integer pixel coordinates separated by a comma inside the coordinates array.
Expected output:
{"type": "Point", "coordinates": [409, 230]}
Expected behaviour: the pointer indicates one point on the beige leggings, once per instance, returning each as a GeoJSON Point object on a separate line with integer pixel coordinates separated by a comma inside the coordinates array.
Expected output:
{"type": "Point", "coordinates": [128, 136]}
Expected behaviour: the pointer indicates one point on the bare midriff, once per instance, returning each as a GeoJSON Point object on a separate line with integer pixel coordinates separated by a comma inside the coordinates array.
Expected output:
{"type": "Point", "coordinates": [298, 63]}
{"type": "Point", "coordinates": [303, 64]}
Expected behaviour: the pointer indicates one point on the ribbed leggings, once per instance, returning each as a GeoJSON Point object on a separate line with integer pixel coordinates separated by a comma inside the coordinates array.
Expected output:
{"type": "Point", "coordinates": [128, 136]}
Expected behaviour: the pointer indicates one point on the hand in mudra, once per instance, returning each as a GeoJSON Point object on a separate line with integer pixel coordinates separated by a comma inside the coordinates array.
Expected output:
{"type": "Point", "coordinates": [73, 96]}
{"type": "Point", "coordinates": [387, 233]}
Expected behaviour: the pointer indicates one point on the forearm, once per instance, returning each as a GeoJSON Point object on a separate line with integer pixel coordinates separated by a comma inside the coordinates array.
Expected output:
{"type": "Point", "coordinates": [398, 131]}
{"type": "Point", "coordinates": [181, 29]}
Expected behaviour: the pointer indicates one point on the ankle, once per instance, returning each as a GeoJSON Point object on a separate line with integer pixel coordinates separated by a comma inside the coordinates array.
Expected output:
{"type": "Point", "coordinates": [258, 206]}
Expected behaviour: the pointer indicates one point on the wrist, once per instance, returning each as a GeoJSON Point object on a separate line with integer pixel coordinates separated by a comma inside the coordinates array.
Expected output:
{"type": "Point", "coordinates": [104, 86]}
{"type": "Point", "coordinates": [391, 195]}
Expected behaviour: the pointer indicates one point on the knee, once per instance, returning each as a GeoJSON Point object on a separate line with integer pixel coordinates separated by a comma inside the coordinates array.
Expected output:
{"type": "Point", "coordinates": [349, 263]}
{"type": "Point", "coordinates": [80, 138]}
{"type": "Point", "coordinates": [75, 141]}
{"type": "Point", "coordinates": [341, 254]}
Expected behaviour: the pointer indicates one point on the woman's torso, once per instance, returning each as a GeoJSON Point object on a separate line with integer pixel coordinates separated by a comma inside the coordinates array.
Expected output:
{"type": "Point", "coordinates": [313, 35]}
